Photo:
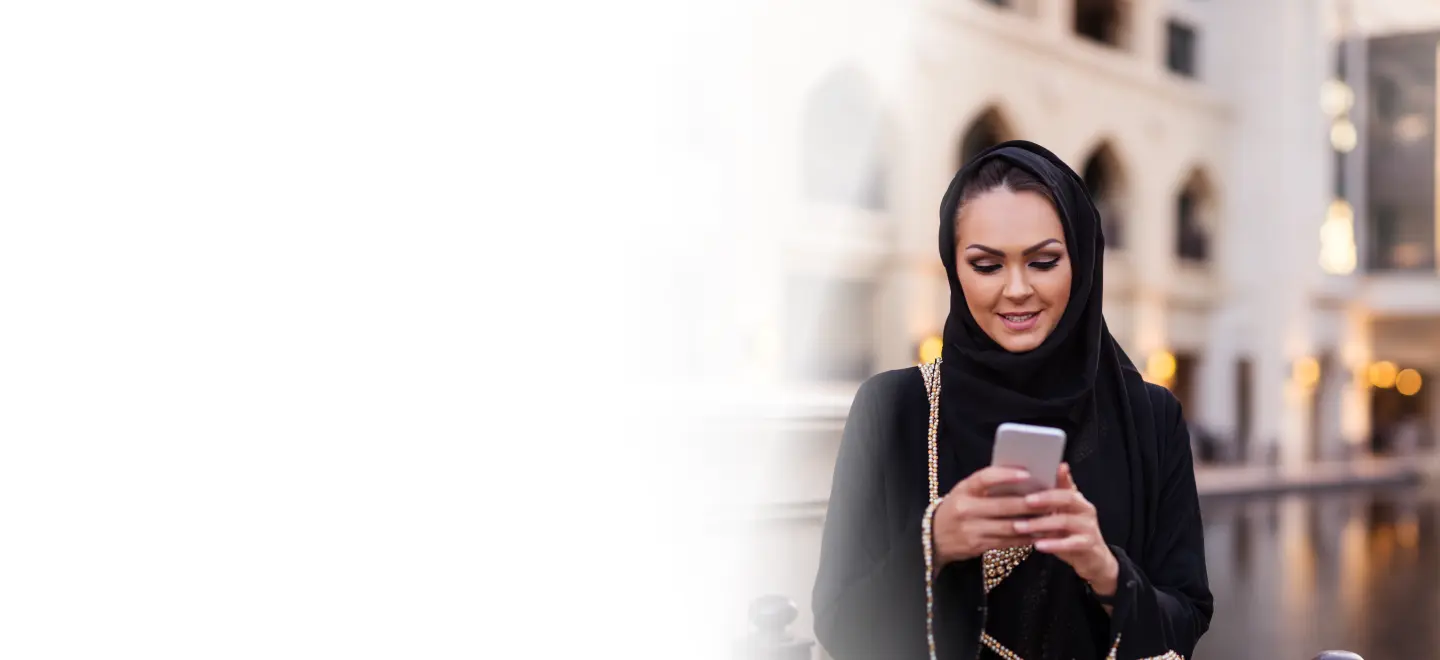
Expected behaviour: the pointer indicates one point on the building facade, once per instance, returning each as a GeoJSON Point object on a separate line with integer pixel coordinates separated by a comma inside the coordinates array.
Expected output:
{"type": "Point", "coordinates": [1387, 188]}
{"type": "Point", "coordinates": [1271, 230]}
{"type": "Point", "coordinates": [1209, 164]}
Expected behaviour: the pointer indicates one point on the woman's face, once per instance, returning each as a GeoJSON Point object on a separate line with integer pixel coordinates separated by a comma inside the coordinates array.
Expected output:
{"type": "Point", "coordinates": [1012, 264]}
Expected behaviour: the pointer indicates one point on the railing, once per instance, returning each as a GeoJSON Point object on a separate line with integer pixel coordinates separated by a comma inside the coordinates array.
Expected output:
{"type": "Point", "coordinates": [772, 615]}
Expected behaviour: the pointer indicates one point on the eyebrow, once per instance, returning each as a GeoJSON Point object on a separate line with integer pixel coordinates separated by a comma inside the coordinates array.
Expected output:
{"type": "Point", "coordinates": [1026, 251]}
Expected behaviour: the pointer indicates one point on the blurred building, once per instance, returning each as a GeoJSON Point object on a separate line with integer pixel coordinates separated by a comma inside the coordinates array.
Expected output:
{"type": "Point", "coordinates": [1383, 106]}
{"type": "Point", "coordinates": [1197, 126]}
{"type": "Point", "coordinates": [1266, 172]}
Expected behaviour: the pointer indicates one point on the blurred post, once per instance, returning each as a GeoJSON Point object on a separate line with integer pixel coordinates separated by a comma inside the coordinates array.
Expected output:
{"type": "Point", "coordinates": [771, 640]}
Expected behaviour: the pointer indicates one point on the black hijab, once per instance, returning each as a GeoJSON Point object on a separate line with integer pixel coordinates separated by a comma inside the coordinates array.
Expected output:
{"type": "Point", "coordinates": [1061, 382]}
{"type": "Point", "coordinates": [1078, 379]}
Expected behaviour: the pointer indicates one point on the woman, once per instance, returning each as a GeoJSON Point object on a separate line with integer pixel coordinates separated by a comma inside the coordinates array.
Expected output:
{"type": "Point", "coordinates": [1111, 563]}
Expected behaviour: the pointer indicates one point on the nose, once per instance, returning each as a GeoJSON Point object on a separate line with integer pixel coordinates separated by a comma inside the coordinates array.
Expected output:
{"type": "Point", "coordinates": [1017, 285]}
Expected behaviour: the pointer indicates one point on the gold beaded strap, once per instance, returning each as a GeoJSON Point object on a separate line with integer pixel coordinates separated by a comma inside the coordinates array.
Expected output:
{"type": "Point", "coordinates": [931, 374]}
{"type": "Point", "coordinates": [926, 538]}
{"type": "Point", "coordinates": [999, 563]}
{"type": "Point", "coordinates": [999, 649]}
{"type": "Point", "coordinates": [1168, 655]}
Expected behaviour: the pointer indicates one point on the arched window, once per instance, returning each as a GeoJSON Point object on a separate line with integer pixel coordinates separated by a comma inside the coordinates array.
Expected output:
{"type": "Point", "coordinates": [1105, 181]}
{"type": "Point", "coordinates": [988, 130]}
{"type": "Point", "coordinates": [1194, 218]}
{"type": "Point", "coordinates": [842, 141]}
{"type": "Point", "coordinates": [1103, 21]}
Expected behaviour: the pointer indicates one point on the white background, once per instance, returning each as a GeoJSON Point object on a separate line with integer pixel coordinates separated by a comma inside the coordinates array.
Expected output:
{"type": "Point", "coordinates": [334, 329]}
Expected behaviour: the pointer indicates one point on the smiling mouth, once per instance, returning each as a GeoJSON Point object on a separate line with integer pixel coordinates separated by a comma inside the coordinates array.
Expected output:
{"type": "Point", "coordinates": [1019, 318]}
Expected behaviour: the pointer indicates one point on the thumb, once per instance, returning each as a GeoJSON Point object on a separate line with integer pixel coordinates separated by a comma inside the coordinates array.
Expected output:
{"type": "Point", "coordinates": [1063, 478]}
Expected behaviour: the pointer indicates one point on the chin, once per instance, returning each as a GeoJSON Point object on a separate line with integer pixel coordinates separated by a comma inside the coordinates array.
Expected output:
{"type": "Point", "coordinates": [1023, 343]}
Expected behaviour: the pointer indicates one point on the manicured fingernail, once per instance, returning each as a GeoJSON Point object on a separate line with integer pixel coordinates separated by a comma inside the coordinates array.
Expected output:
{"type": "Point", "coordinates": [1021, 526]}
{"type": "Point", "coordinates": [1042, 545]}
{"type": "Point", "coordinates": [1021, 475]}
{"type": "Point", "coordinates": [1032, 499]}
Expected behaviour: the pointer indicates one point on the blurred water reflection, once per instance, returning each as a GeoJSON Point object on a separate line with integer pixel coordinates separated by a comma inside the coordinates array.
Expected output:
{"type": "Point", "coordinates": [1355, 570]}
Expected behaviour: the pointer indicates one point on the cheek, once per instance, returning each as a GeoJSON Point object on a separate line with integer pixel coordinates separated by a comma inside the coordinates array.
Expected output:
{"type": "Point", "coordinates": [979, 293]}
{"type": "Point", "coordinates": [1057, 289]}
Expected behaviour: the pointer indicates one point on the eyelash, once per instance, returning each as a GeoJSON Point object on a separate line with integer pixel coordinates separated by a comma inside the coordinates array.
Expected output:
{"type": "Point", "coordinates": [1038, 265]}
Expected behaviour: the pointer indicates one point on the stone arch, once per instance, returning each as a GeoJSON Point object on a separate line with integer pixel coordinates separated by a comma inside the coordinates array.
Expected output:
{"type": "Point", "coordinates": [1197, 214]}
{"type": "Point", "coordinates": [1108, 182]}
{"type": "Point", "coordinates": [989, 128]}
{"type": "Point", "coordinates": [842, 150]}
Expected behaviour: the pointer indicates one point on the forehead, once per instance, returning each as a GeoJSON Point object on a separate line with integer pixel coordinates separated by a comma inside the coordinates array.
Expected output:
{"type": "Point", "coordinates": [1002, 217]}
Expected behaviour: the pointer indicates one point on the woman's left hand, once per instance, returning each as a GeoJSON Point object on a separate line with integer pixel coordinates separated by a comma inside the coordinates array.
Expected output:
{"type": "Point", "coordinates": [1071, 532]}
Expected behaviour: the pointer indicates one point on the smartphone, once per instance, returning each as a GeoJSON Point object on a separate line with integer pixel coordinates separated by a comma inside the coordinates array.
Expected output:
{"type": "Point", "coordinates": [1035, 449]}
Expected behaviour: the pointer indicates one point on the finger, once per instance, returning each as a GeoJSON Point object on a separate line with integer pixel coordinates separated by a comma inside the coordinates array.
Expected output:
{"type": "Point", "coordinates": [976, 483]}
{"type": "Point", "coordinates": [1059, 499]}
{"type": "Point", "coordinates": [997, 507]}
{"type": "Point", "coordinates": [1063, 479]}
{"type": "Point", "coordinates": [1064, 545]}
{"type": "Point", "coordinates": [992, 529]}
{"type": "Point", "coordinates": [1049, 535]}
{"type": "Point", "coordinates": [1068, 523]}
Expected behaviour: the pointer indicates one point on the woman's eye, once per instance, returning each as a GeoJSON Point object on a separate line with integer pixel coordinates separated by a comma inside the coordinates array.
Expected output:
{"type": "Point", "coordinates": [1046, 265]}
{"type": "Point", "coordinates": [985, 268]}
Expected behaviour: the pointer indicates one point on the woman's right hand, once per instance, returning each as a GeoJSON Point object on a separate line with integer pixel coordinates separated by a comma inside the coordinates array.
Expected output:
{"type": "Point", "coordinates": [967, 522]}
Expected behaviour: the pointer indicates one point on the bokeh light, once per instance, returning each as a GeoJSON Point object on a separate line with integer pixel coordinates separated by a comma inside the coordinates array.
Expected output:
{"type": "Point", "coordinates": [1336, 98]}
{"type": "Point", "coordinates": [1343, 136]}
{"type": "Point", "coordinates": [1382, 374]}
{"type": "Point", "coordinates": [1306, 372]}
{"type": "Point", "coordinates": [930, 349]}
{"type": "Point", "coordinates": [1161, 366]}
{"type": "Point", "coordinates": [1408, 382]}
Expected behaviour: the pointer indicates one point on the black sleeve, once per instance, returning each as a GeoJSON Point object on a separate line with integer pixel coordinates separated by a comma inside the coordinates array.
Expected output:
{"type": "Point", "coordinates": [869, 596]}
{"type": "Point", "coordinates": [1163, 603]}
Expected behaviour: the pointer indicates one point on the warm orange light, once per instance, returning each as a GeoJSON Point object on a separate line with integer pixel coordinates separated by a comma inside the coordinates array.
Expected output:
{"type": "Point", "coordinates": [1306, 372]}
{"type": "Point", "coordinates": [930, 349]}
{"type": "Point", "coordinates": [1161, 366]}
{"type": "Point", "coordinates": [1382, 374]}
{"type": "Point", "coordinates": [1408, 382]}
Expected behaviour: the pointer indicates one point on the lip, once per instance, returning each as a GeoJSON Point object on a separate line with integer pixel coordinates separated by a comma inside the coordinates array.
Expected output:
{"type": "Point", "coordinates": [1021, 326]}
